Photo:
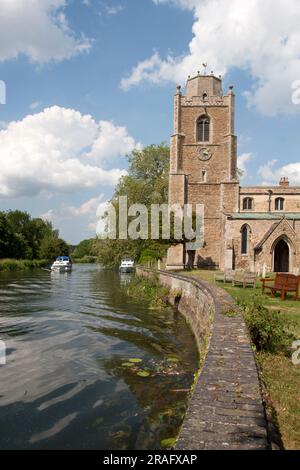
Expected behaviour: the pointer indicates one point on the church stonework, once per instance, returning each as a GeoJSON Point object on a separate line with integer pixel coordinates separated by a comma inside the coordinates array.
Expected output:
{"type": "Point", "coordinates": [251, 228]}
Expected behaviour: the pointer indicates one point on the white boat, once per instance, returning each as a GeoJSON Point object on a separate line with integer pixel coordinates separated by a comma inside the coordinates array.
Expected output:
{"type": "Point", "coordinates": [62, 263]}
{"type": "Point", "coordinates": [126, 266]}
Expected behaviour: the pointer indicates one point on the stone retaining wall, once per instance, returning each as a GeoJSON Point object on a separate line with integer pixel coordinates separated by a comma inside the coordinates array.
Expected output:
{"type": "Point", "coordinates": [226, 410]}
{"type": "Point", "coordinates": [194, 303]}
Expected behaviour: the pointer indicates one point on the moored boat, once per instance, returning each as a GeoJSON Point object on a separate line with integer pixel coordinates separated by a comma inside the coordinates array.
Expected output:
{"type": "Point", "coordinates": [126, 266]}
{"type": "Point", "coordinates": [62, 263]}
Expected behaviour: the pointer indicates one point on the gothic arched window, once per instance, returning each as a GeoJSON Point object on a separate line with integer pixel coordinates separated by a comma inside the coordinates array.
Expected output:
{"type": "Point", "coordinates": [203, 129]}
{"type": "Point", "coordinates": [279, 204]}
{"type": "Point", "coordinates": [247, 204]}
{"type": "Point", "coordinates": [245, 232]}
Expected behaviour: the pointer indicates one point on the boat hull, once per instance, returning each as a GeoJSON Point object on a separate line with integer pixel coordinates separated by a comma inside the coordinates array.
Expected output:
{"type": "Point", "coordinates": [61, 269]}
{"type": "Point", "coordinates": [126, 269]}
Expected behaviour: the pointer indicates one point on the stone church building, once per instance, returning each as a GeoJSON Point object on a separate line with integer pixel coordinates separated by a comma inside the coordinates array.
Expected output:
{"type": "Point", "coordinates": [252, 228]}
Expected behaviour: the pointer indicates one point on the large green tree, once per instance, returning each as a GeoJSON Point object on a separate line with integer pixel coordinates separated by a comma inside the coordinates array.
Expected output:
{"type": "Point", "coordinates": [52, 247]}
{"type": "Point", "coordinates": [85, 248]}
{"type": "Point", "coordinates": [24, 237]}
{"type": "Point", "coordinates": [146, 183]}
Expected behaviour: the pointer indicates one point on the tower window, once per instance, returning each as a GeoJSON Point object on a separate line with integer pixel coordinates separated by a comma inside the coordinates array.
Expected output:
{"type": "Point", "coordinates": [247, 204]}
{"type": "Point", "coordinates": [279, 204]}
{"type": "Point", "coordinates": [203, 129]}
{"type": "Point", "coordinates": [245, 239]}
{"type": "Point", "coordinates": [204, 176]}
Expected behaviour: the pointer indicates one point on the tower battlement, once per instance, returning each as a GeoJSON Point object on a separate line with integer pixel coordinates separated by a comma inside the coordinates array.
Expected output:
{"type": "Point", "coordinates": [204, 86]}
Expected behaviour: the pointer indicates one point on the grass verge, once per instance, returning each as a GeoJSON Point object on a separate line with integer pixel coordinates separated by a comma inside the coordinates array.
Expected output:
{"type": "Point", "coordinates": [7, 265]}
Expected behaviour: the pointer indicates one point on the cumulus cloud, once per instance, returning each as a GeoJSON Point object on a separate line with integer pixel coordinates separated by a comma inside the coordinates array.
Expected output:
{"type": "Point", "coordinates": [38, 29]}
{"type": "Point", "coordinates": [271, 174]}
{"type": "Point", "coordinates": [111, 141]}
{"type": "Point", "coordinates": [242, 161]}
{"type": "Point", "coordinates": [59, 150]}
{"type": "Point", "coordinates": [114, 10]}
{"type": "Point", "coordinates": [261, 38]}
{"type": "Point", "coordinates": [90, 213]}
{"type": "Point", "coordinates": [89, 207]}
{"type": "Point", "coordinates": [189, 4]}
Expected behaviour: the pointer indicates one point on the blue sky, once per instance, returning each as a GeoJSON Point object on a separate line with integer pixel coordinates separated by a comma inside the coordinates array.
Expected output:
{"type": "Point", "coordinates": [119, 62]}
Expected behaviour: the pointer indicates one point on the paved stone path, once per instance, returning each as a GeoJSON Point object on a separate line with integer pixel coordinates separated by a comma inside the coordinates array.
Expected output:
{"type": "Point", "coordinates": [226, 410]}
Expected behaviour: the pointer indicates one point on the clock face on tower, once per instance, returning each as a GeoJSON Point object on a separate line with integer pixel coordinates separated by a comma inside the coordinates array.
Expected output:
{"type": "Point", "coordinates": [204, 154]}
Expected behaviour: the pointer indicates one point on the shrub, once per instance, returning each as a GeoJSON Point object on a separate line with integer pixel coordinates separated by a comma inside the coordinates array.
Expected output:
{"type": "Point", "coordinates": [21, 265]}
{"type": "Point", "coordinates": [85, 260]}
{"type": "Point", "coordinates": [268, 329]}
{"type": "Point", "coordinates": [148, 290]}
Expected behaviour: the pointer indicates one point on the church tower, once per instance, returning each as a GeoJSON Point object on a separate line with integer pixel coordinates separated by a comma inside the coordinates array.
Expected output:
{"type": "Point", "coordinates": [203, 165]}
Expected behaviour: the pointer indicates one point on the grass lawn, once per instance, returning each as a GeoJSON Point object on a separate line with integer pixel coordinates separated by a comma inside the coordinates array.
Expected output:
{"type": "Point", "coordinates": [280, 376]}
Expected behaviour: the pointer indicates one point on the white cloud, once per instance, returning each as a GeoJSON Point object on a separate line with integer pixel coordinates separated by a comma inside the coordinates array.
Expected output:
{"type": "Point", "coordinates": [188, 4]}
{"type": "Point", "coordinates": [151, 70]}
{"type": "Point", "coordinates": [39, 30]}
{"type": "Point", "coordinates": [272, 174]}
{"type": "Point", "coordinates": [112, 141]}
{"type": "Point", "coordinates": [114, 10]}
{"type": "Point", "coordinates": [51, 152]}
{"type": "Point", "coordinates": [262, 38]}
{"type": "Point", "coordinates": [89, 212]}
{"type": "Point", "coordinates": [89, 207]}
{"type": "Point", "coordinates": [35, 105]}
{"type": "Point", "coordinates": [242, 161]}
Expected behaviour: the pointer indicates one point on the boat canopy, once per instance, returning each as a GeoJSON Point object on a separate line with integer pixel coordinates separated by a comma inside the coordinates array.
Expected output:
{"type": "Point", "coordinates": [127, 261]}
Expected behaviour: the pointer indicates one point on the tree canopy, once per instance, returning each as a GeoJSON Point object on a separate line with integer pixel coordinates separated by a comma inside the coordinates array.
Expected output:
{"type": "Point", "coordinates": [24, 237]}
{"type": "Point", "coordinates": [146, 183]}
{"type": "Point", "coordinates": [85, 248]}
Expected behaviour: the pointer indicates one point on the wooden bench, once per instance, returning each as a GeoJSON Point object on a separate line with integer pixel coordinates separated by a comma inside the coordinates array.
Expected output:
{"type": "Point", "coordinates": [283, 283]}
{"type": "Point", "coordinates": [245, 279]}
{"type": "Point", "coordinates": [226, 276]}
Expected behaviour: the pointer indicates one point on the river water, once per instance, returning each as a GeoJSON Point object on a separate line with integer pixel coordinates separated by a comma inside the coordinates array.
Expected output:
{"type": "Point", "coordinates": [70, 380]}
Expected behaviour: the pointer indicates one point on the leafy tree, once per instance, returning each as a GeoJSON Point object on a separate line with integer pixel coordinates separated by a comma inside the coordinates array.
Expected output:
{"type": "Point", "coordinates": [22, 237]}
{"type": "Point", "coordinates": [110, 252]}
{"type": "Point", "coordinates": [146, 183]}
{"type": "Point", "coordinates": [5, 237]}
{"type": "Point", "coordinates": [19, 226]}
{"type": "Point", "coordinates": [52, 247]}
{"type": "Point", "coordinates": [85, 248]}
{"type": "Point", "coordinates": [148, 176]}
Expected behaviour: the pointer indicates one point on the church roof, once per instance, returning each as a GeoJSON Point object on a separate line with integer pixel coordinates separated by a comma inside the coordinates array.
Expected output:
{"type": "Point", "coordinates": [266, 236]}
{"type": "Point", "coordinates": [264, 216]}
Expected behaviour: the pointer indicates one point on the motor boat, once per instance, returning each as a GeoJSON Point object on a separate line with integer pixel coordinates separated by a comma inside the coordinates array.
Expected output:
{"type": "Point", "coordinates": [126, 266]}
{"type": "Point", "coordinates": [62, 264]}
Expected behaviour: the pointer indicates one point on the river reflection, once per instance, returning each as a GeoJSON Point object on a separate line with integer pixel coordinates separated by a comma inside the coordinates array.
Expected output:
{"type": "Point", "coordinates": [88, 368]}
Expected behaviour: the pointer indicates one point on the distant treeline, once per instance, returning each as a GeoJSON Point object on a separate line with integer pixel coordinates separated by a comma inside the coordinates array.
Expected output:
{"type": "Point", "coordinates": [23, 237]}
{"type": "Point", "coordinates": [85, 251]}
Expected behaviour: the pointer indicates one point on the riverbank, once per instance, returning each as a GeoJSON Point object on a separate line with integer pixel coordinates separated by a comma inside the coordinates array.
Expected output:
{"type": "Point", "coordinates": [279, 376]}
{"type": "Point", "coordinates": [85, 260]}
{"type": "Point", "coordinates": [7, 265]}
{"type": "Point", "coordinates": [226, 410]}
{"type": "Point", "coordinates": [148, 290]}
